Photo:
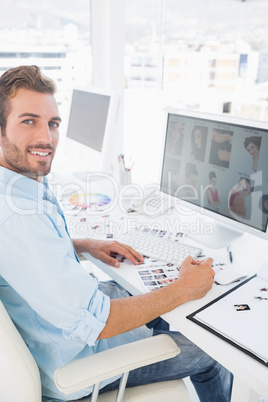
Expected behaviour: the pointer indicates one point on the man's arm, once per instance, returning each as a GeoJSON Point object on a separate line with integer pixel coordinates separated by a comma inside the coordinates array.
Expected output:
{"type": "Point", "coordinates": [194, 281]}
{"type": "Point", "coordinates": [102, 249]}
{"type": "Point", "coordinates": [132, 312]}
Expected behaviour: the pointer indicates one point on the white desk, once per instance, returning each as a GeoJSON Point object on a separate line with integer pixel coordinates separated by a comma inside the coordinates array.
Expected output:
{"type": "Point", "coordinates": [251, 377]}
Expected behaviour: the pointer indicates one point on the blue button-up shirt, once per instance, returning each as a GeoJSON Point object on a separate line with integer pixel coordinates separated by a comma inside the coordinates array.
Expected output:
{"type": "Point", "coordinates": [54, 302]}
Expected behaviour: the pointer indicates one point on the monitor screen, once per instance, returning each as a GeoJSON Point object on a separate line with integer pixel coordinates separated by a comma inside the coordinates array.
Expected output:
{"type": "Point", "coordinates": [88, 118]}
{"type": "Point", "coordinates": [218, 163]}
{"type": "Point", "coordinates": [94, 134]}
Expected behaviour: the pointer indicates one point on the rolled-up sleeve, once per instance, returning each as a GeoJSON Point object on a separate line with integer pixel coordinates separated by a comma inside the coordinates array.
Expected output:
{"type": "Point", "coordinates": [91, 321]}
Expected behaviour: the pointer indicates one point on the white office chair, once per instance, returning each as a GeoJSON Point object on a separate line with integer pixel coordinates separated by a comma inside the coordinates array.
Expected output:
{"type": "Point", "coordinates": [20, 379]}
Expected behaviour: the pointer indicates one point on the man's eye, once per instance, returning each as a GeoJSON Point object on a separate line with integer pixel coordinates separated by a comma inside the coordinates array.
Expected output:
{"type": "Point", "coordinates": [28, 121]}
{"type": "Point", "coordinates": [53, 124]}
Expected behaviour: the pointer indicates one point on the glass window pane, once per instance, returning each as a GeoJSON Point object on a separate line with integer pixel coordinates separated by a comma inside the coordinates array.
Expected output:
{"type": "Point", "coordinates": [207, 55]}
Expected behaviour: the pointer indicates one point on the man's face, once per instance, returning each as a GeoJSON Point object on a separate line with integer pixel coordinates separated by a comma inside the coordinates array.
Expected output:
{"type": "Point", "coordinates": [31, 137]}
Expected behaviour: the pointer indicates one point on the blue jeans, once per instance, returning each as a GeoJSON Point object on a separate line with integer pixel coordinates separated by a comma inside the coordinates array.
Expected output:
{"type": "Point", "coordinates": [213, 383]}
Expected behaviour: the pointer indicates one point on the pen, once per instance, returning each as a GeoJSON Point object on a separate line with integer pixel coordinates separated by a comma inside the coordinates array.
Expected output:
{"type": "Point", "coordinates": [230, 252]}
{"type": "Point", "coordinates": [131, 166]}
{"type": "Point", "coordinates": [121, 165]}
{"type": "Point", "coordinates": [123, 161]}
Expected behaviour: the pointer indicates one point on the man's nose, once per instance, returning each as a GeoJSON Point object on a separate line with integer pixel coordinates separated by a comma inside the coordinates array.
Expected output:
{"type": "Point", "coordinates": [43, 134]}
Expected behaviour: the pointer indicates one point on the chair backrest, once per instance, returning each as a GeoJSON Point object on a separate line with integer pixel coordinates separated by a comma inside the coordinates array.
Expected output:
{"type": "Point", "coordinates": [19, 374]}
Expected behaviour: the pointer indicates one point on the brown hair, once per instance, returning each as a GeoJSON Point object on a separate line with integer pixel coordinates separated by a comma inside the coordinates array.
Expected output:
{"type": "Point", "coordinates": [253, 140]}
{"type": "Point", "coordinates": [27, 77]}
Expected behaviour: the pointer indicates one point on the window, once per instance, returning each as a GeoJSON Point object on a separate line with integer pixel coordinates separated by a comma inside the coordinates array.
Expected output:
{"type": "Point", "coordinates": [53, 35]}
{"type": "Point", "coordinates": [208, 53]}
{"type": "Point", "coordinates": [230, 37]}
{"type": "Point", "coordinates": [195, 54]}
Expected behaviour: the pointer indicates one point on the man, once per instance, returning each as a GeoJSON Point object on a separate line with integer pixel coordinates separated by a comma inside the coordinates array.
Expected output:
{"type": "Point", "coordinates": [61, 311]}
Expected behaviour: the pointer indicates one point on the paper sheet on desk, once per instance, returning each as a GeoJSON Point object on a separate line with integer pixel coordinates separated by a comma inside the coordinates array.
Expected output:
{"type": "Point", "coordinates": [155, 274]}
{"type": "Point", "coordinates": [241, 317]}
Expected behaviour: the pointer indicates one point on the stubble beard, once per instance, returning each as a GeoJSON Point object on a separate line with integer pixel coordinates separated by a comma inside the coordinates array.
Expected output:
{"type": "Point", "coordinates": [18, 161]}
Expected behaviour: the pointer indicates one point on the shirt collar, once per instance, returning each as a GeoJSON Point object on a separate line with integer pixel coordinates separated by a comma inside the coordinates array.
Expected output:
{"type": "Point", "coordinates": [18, 185]}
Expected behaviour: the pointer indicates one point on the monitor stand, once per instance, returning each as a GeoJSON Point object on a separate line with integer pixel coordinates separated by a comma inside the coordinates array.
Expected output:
{"type": "Point", "coordinates": [221, 236]}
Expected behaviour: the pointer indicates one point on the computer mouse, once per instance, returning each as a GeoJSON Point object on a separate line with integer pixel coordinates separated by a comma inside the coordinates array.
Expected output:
{"type": "Point", "coordinates": [228, 275]}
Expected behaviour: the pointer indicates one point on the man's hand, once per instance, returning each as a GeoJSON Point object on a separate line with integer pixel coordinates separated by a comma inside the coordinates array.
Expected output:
{"type": "Point", "coordinates": [102, 250]}
{"type": "Point", "coordinates": [196, 277]}
{"type": "Point", "coordinates": [195, 280]}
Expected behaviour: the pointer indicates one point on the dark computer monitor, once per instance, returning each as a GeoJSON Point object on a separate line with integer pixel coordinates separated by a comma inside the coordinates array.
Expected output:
{"type": "Point", "coordinates": [217, 166]}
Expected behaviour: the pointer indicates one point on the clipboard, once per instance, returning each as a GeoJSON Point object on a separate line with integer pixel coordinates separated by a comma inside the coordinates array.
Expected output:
{"type": "Point", "coordinates": [213, 327]}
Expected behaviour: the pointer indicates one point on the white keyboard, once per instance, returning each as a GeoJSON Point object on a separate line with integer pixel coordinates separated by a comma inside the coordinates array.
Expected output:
{"type": "Point", "coordinates": [160, 248]}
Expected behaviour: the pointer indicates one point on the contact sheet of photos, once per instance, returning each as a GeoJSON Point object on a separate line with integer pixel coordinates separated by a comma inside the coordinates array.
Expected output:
{"type": "Point", "coordinates": [155, 274]}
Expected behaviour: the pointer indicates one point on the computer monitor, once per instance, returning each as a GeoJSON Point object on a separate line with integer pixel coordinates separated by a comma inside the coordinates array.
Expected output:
{"type": "Point", "coordinates": [217, 166]}
{"type": "Point", "coordinates": [94, 136]}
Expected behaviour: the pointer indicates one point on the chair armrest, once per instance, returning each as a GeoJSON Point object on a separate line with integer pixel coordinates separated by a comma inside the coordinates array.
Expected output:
{"type": "Point", "coordinates": [90, 370]}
